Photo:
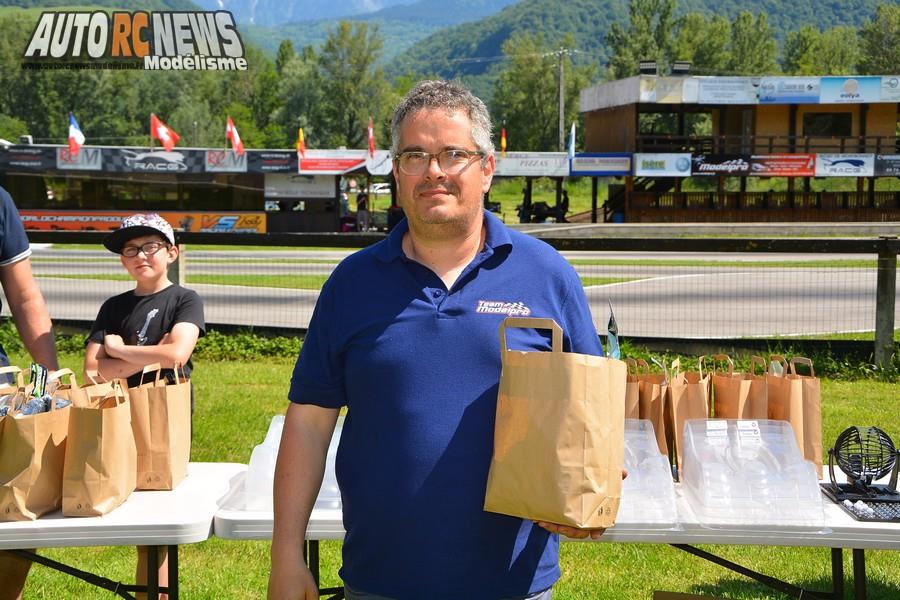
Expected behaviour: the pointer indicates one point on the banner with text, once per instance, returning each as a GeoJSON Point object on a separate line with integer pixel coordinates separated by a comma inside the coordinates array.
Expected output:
{"type": "Point", "coordinates": [845, 165]}
{"type": "Point", "coordinates": [662, 165]}
{"type": "Point", "coordinates": [532, 164]}
{"type": "Point", "coordinates": [73, 220]}
{"type": "Point", "coordinates": [724, 165]}
{"type": "Point", "coordinates": [615, 164]}
{"type": "Point", "coordinates": [783, 165]}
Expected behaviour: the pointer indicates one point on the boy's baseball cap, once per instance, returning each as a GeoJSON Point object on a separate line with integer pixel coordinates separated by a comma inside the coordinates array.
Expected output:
{"type": "Point", "coordinates": [136, 226]}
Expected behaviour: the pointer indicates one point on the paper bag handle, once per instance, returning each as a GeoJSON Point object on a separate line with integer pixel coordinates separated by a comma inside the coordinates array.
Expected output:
{"type": "Point", "coordinates": [531, 323]}
{"type": "Point", "coordinates": [20, 379]}
{"type": "Point", "coordinates": [154, 367]}
{"type": "Point", "coordinates": [773, 358]}
{"type": "Point", "coordinates": [60, 373]}
{"type": "Point", "coordinates": [800, 360]}
{"type": "Point", "coordinates": [757, 361]}
{"type": "Point", "coordinates": [94, 375]}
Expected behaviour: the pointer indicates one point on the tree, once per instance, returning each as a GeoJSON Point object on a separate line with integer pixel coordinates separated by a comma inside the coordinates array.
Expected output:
{"type": "Point", "coordinates": [354, 87]}
{"type": "Point", "coordinates": [299, 97]}
{"type": "Point", "coordinates": [703, 43]}
{"type": "Point", "coordinates": [648, 37]}
{"type": "Point", "coordinates": [285, 53]}
{"type": "Point", "coordinates": [833, 52]}
{"type": "Point", "coordinates": [753, 49]}
{"type": "Point", "coordinates": [880, 42]}
{"type": "Point", "coordinates": [799, 50]}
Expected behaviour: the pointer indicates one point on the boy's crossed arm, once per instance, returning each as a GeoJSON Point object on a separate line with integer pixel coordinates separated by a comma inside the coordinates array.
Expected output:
{"type": "Point", "coordinates": [113, 358]}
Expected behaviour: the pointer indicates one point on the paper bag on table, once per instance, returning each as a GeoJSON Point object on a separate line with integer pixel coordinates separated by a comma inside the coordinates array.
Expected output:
{"type": "Point", "coordinates": [161, 421]}
{"type": "Point", "coordinates": [653, 404]}
{"type": "Point", "coordinates": [32, 453]}
{"type": "Point", "coordinates": [797, 399]}
{"type": "Point", "coordinates": [101, 459]}
{"type": "Point", "coordinates": [688, 399]}
{"type": "Point", "coordinates": [559, 434]}
{"type": "Point", "coordinates": [740, 395]}
{"type": "Point", "coordinates": [636, 368]}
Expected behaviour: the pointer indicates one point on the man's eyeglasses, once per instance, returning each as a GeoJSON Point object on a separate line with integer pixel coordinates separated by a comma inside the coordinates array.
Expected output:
{"type": "Point", "coordinates": [149, 249]}
{"type": "Point", "coordinates": [451, 162]}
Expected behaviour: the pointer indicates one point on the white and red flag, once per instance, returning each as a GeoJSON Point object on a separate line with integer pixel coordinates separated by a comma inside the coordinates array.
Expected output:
{"type": "Point", "coordinates": [166, 135]}
{"type": "Point", "coordinates": [371, 139]}
{"type": "Point", "coordinates": [232, 134]}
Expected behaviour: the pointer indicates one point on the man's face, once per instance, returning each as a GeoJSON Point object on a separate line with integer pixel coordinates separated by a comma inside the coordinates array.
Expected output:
{"type": "Point", "coordinates": [435, 202]}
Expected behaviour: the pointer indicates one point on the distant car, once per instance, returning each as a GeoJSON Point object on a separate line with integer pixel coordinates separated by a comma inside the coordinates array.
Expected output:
{"type": "Point", "coordinates": [380, 188]}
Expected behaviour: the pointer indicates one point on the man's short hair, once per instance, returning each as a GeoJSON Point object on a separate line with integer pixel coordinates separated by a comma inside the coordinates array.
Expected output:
{"type": "Point", "coordinates": [451, 97]}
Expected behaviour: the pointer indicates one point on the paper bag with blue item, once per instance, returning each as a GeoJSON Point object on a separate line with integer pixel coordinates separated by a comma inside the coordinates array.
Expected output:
{"type": "Point", "coordinates": [559, 434]}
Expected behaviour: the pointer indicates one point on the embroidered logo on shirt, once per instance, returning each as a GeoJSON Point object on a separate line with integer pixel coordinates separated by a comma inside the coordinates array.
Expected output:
{"type": "Point", "coordinates": [142, 334]}
{"type": "Point", "coordinates": [510, 309]}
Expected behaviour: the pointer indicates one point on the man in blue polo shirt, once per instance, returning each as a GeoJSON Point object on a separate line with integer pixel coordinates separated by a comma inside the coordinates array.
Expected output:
{"type": "Point", "coordinates": [405, 336]}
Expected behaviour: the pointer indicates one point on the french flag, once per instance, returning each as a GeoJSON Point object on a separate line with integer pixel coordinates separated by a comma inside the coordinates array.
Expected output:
{"type": "Point", "coordinates": [76, 137]}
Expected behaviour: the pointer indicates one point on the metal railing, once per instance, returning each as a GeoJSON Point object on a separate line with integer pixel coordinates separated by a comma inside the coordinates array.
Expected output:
{"type": "Point", "coordinates": [677, 288]}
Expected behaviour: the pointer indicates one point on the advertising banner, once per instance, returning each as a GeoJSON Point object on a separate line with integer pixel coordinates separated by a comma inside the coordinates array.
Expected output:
{"type": "Point", "coordinates": [87, 159]}
{"type": "Point", "coordinates": [725, 165]}
{"type": "Point", "coordinates": [271, 161]}
{"type": "Point", "coordinates": [532, 164]}
{"type": "Point", "coordinates": [284, 185]}
{"type": "Point", "coordinates": [789, 90]}
{"type": "Point", "coordinates": [845, 165]}
{"type": "Point", "coordinates": [27, 158]}
{"type": "Point", "coordinates": [728, 90]}
{"type": "Point", "coordinates": [615, 164]}
{"type": "Point", "coordinates": [890, 88]}
{"type": "Point", "coordinates": [662, 165]}
{"type": "Point", "coordinates": [74, 220]}
{"type": "Point", "coordinates": [850, 90]}
{"type": "Point", "coordinates": [137, 160]}
{"type": "Point", "coordinates": [783, 165]}
{"type": "Point", "coordinates": [887, 165]}
{"type": "Point", "coordinates": [331, 162]}
{"type": "Point", "coordinates": [225, 161]}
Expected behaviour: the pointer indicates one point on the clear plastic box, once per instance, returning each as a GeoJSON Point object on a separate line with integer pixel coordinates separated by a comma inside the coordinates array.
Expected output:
{"type": "Point", "coordinates": [648, 493]}
{"type": "Point", "coordinates": [749, 473]}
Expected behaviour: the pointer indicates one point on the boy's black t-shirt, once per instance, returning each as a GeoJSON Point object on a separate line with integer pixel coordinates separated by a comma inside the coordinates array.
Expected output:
{"type": "Point", "coordinates": [144, 320]}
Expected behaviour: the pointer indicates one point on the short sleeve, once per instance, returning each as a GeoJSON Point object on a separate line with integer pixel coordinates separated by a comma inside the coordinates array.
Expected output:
{"type": "Point", "coordinates": [98, 329]}
{"type": "Point", "coordinates": [318, 373]}
{"type": "Point", "coordinates": [13, 243]}
{"type": "Point", "coordinates": [190, 310]}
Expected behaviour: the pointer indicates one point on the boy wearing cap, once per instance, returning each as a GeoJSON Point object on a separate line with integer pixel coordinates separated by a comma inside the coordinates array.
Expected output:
{"type": "Point", "coordinates": [157, 322]}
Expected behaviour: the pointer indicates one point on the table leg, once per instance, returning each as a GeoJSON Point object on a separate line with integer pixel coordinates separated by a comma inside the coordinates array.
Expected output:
{"type": "Point", "coordinates": [859, 574]}
{"type": "Point", "coordinates": [837, 573]}
{"type": "Point", "coordinates": [314, 559]}
{"type": "Point", "coordinates": [153, 572]}
{"type": "Point", "coordinates": [173, 573]}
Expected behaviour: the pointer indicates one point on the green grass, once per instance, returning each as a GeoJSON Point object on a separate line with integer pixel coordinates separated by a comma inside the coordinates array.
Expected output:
{"type": "Point", "coordinates": [236, 400]}
{"type": "Point", "coordinates": [300, 282]}
{"type": "Point", "coordinates": [589, 281]}
{"type": "Point", "coordinates": [785, 264]}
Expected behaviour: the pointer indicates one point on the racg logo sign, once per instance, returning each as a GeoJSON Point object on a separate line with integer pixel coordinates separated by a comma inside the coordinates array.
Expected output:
{"type": "Point", "coordinates": [155, 41]}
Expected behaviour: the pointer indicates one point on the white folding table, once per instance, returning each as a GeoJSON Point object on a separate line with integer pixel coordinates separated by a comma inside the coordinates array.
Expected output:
{"type": "Point", "coordinates": [148, 518]}
{"type": "Point", "coordinates": [840, 531]}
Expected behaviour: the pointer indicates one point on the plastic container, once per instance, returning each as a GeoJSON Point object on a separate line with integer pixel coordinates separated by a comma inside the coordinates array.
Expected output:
{"type": "Point", "coordinates": [749, 473]}
{"type": "Point", "coordinates": [648, 493]}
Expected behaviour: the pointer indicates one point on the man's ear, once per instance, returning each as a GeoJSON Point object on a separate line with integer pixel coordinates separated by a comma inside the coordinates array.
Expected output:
{"type": "Point", "coordinates": [487, 173]}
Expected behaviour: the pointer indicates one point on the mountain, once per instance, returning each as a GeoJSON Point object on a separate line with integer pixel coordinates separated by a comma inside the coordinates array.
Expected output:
{"type": "Point", "coordinates": [271, 13]}
{"type": "Point", "coordinates": [402, 26]}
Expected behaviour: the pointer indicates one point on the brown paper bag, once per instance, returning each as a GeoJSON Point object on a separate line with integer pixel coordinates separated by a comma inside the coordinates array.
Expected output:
{"type": "Point", "coordinates": [797, 399]}
{"type": "Point", "coordinates": [652, 401]}
{"type": "Point", "coordinates": [32, 453]}
{"type": "Point", "coordinates": [101, 459]}
{"type": "Point", "coordinates": [559, 434]}
{"type": "Point", "coordinates": [7, 389]}
{"type": "Point", "coordinates": [688, 399]}
{"type": "Point", "coordinates": [633, 387]}
{"type": "Point", "coordinates": [740, 395]}
{"type": "Point", "coordinates": [68, 387]}
{"type": "Point", "coordinates": [161, 421]}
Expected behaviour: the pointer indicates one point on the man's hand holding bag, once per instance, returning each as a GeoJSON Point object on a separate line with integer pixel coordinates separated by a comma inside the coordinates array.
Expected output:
{"type": "Point", "coordinates": [559, 434]}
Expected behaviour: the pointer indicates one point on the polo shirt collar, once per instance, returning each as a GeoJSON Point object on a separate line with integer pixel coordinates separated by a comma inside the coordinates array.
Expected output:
{"type": "Point", "coordinates": [496, 235]}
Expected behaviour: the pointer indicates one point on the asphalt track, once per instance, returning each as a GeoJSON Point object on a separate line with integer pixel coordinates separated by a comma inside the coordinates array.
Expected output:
{"type": "Point", "coordinates": [659, 301]}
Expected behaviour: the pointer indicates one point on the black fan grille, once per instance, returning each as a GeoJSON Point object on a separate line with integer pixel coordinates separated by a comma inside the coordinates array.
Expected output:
{"type": "Point", "coordinates": [865, 453]}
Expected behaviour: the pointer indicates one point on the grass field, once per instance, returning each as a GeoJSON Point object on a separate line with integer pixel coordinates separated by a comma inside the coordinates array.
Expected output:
{"type": "Point", "coordinates": [236, 400]}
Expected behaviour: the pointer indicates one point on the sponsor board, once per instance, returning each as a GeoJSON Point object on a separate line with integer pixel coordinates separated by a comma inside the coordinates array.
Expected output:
{"type": "Point", "coordinates": [601, 165]}
{"type": "Point", "coordinates": [725, 165]}
{"type": "Point", "coordinates": [27, 158]}
{"type": "Point", "coordinates": [887, 165]}
{"type": "Point", "coordinates": [286, 185]}
{"type": "Point", "coordinates": [331, 162]}
{"type": "Point", "coordinates": [728, 90]}
{"type": "Point", "coordinates": [532, 164]}
{"type": "Point", "coordinates": [70, 220]}
{"type": "Point", "coordinates": [662, 165]}
{"type": "Point", "coordinates": [274, 161]}
{"type": "Point", "coordinates": [845, 165]}
{"type": "Point", "coordinates": [156, 41]}
{"type": "Point", "coordinates": [890, 88]}
{"type": "Point", "coordinates": [87, 159]}
{"type": "Point", "coordinates": [850, 90]}
{"type": "Point", "coordinates": [225, 161]}
{"type": "Point", "coordinates": [783, 165]}
{"type": "Point", "coordinates": [789, 90]}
